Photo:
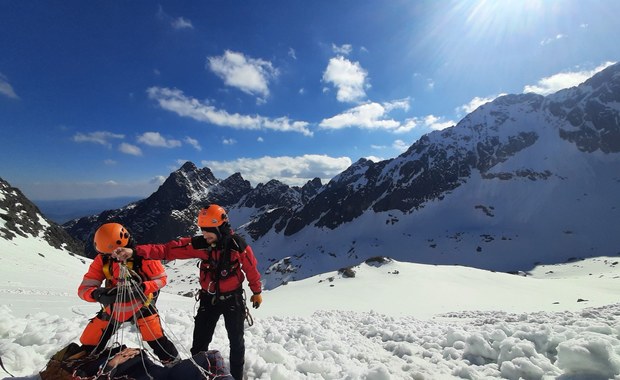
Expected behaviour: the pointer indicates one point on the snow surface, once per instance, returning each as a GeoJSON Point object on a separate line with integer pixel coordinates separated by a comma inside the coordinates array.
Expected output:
{"type": "Point", "coordinates": [391, 321]}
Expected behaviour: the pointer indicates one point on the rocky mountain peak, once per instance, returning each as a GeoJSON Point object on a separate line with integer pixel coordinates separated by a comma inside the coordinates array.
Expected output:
{"type": "Point", "coordinates": [592, 111]}
{"type": "Point", "coordinates": [21, 217]}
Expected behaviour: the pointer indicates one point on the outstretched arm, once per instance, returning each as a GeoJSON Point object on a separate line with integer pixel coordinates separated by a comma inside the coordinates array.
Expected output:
{"type": "Point", "coordinates": [184, 248]}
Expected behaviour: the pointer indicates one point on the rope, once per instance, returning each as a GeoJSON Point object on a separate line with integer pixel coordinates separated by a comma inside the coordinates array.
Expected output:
{"type": "Point", "coordinates": [247, 315]}
{"type": "Point", "coordinates": [143, 298]}
{"type": "Point", "coordinates": [130, 282]}
{"type": "Point", "coordinates": [2, 365]}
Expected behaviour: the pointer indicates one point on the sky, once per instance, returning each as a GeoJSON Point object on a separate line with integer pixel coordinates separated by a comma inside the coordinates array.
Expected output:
{"type": "Point", "coordinates": [395, 321]}
{"type": "Point", "coordinates": [106, 99]}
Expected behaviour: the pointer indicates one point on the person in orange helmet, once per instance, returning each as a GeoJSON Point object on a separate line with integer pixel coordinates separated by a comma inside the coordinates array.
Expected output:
{"type": "Point", "coordinates": [226, 262]}
{"type": "Point", "coordinates": [129, 293]}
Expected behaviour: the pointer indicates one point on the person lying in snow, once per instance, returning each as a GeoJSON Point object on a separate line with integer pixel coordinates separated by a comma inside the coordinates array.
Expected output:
{"type": "Point", "coordinates": [121, 362]}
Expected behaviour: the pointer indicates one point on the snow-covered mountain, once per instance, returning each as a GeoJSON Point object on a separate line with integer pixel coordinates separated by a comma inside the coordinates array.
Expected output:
{"type": "Point", "coordinates": [19, 217]}
{"type": "Point", "coordinates": [377, 319]}
{"type": "Point", "coordinates": [524, 179]}
{"type": "Point", "coordinates": [381, 319]}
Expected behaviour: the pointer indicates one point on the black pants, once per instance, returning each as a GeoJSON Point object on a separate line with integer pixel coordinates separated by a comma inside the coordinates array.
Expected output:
{"type": "Point", "coordinates": [206, 318]}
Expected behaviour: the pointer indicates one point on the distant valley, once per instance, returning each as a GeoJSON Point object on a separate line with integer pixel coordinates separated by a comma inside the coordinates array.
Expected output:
{"type": "Point", "coordinates": [62, 211]}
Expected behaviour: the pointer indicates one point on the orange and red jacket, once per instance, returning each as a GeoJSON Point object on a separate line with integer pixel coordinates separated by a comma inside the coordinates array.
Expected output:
{"type": "Point", "coordinates": [183, 249]}
{"type": "Point", "coordinates": [152, 272]}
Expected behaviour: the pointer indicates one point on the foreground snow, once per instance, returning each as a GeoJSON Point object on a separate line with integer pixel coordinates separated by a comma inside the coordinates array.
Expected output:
{"type": "Point", "coordinates": [395, 321]}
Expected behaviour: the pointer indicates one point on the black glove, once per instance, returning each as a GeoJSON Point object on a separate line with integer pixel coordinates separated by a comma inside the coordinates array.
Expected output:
{"type": "Point", "coordinates": [105, 296]}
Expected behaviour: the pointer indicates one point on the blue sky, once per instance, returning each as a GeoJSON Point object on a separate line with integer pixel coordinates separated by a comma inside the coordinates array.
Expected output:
{"type": "Point", "coordinates": [104, 99]}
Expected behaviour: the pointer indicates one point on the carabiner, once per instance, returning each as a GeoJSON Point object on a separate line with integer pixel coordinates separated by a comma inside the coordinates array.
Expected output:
{"type": "Point", "coordinates": [212, 292]}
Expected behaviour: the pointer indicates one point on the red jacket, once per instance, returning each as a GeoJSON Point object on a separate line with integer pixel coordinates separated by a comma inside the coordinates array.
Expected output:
{"type": "Point", "coordinates": [152, 272]}
{"type": "Point", "coordinates": [183, 249]}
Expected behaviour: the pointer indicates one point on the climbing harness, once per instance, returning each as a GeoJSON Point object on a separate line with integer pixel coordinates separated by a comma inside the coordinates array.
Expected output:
{"type": "Point", "coordinates": [129, 284]}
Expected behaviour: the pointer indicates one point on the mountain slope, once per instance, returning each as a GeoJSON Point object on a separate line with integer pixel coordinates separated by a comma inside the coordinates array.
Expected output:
{"type": "Point", "coordinates": [19, 217]}
{"type": "Point", "coordinates": [521, 180]}
{"type": "Point", "coordinates": [524, 179]}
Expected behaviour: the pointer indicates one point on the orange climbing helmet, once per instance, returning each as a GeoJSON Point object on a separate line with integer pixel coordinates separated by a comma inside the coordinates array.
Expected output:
{"type": "Point", "coordinates": [111, 236]}
{"type": "Point", "coordinates": [212, 216]}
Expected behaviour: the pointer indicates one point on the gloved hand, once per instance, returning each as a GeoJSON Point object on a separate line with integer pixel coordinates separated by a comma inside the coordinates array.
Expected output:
{"type": "Point", "coordinates": [105, 296]}
{"type": "Point", "coordinates": [256, 300]}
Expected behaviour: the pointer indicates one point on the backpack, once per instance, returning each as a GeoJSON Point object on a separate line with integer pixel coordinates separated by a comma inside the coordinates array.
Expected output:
{"type": "Point", "coordinates": [59, 366]}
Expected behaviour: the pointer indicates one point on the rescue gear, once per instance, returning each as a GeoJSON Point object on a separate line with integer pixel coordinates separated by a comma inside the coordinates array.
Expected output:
{"type": "Point", "coordinates": [256, 300]}
{"type": "Point", "coordinates": [149, 273]}
{"type": "Point", "coordinates": [135, 292]}
{"type": "Point", "coordinates": [105, 296]}
{"type": "Point", "coordinates": [204, 326]}
{"type": "Point", "coordinates": [103, 326]}
{"type": "Point", "coordinates": [123, 363]}
{"type": "Point", "coordinates": [197, 247]}
{"type": "Point", "coordinates": [133, 264]}
{"type": "Point", "coordinates": [130, 293]}
{"type": "Point", "coordinates": [222, 267]}
{"type": "Point", "coordinates": [4, 369]}
{"type": "Point", "coordinates": [212, 216]}
{"type": "Point", "coordinates": [110, 236]}
{"type": "Point", "coordinates": [91, 336]}
{"type": "Point", "coordinates": [59, 365]}
{"type": "Point", "coordinates": [150, 328]}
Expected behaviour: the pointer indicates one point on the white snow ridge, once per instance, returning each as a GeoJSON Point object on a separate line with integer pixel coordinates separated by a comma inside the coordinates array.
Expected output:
{"type": "Point", "coordinates": [394, 321]}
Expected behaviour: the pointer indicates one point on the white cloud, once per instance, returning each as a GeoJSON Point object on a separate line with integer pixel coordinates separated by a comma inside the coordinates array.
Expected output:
{"type": "Point", "coordinates": [400, 145]}
{"type": "Point", "coordinates": [260, 139]}
{"type": "Point", "coordinates": [348, 77]}
{"type": "Point", "coordinates": [547, 41]}
{"type": "Point", "coordinates": [157, 140]}
{"type": "Point", "coordinates": [99, 137]}
{"type": "Point", "coordinates": [475, 103]}
{"type": "Point", "coordinates": [249, 75]}
{"type": "Point", "coordinates": [397, 104]}
{"type": "Point", "coordinates": [345, 49]}
{"type": "Point", "coordinates": [368, 116]}
{"type": "Point", "coordinates": [291, 53]}
{"type": "Point", "coordinates": [110, 162]}
{"type": "Point", "coordinates": [427, 122]}
{"type": "Point", "coordinates": [294, 171]}
{"type": "Point", "coordinates": [374, 158]}
{"type": "Point", "coordinates": [181, 23]}
{"type": "Point", "coordinates": [6, 89]}
{"type": "Point", "coordinates": [229, 141]}
{"type": "Point", "coordinates": [175, 101]}
{"type": "Point", "coordinates": [157, 180]}
{"type": "Point", "coordinates": [437, 123]}
{"type": "Point", "coordinates": [130, 149]}
{"type": "Point", "coordinates": [193, 142]}
{"type": "Point", "coordinates": [407, 125]}
{"type": "Point", "coordinates": [556, 82]}
{"type": "Point", "coordinates": [373, 116]}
